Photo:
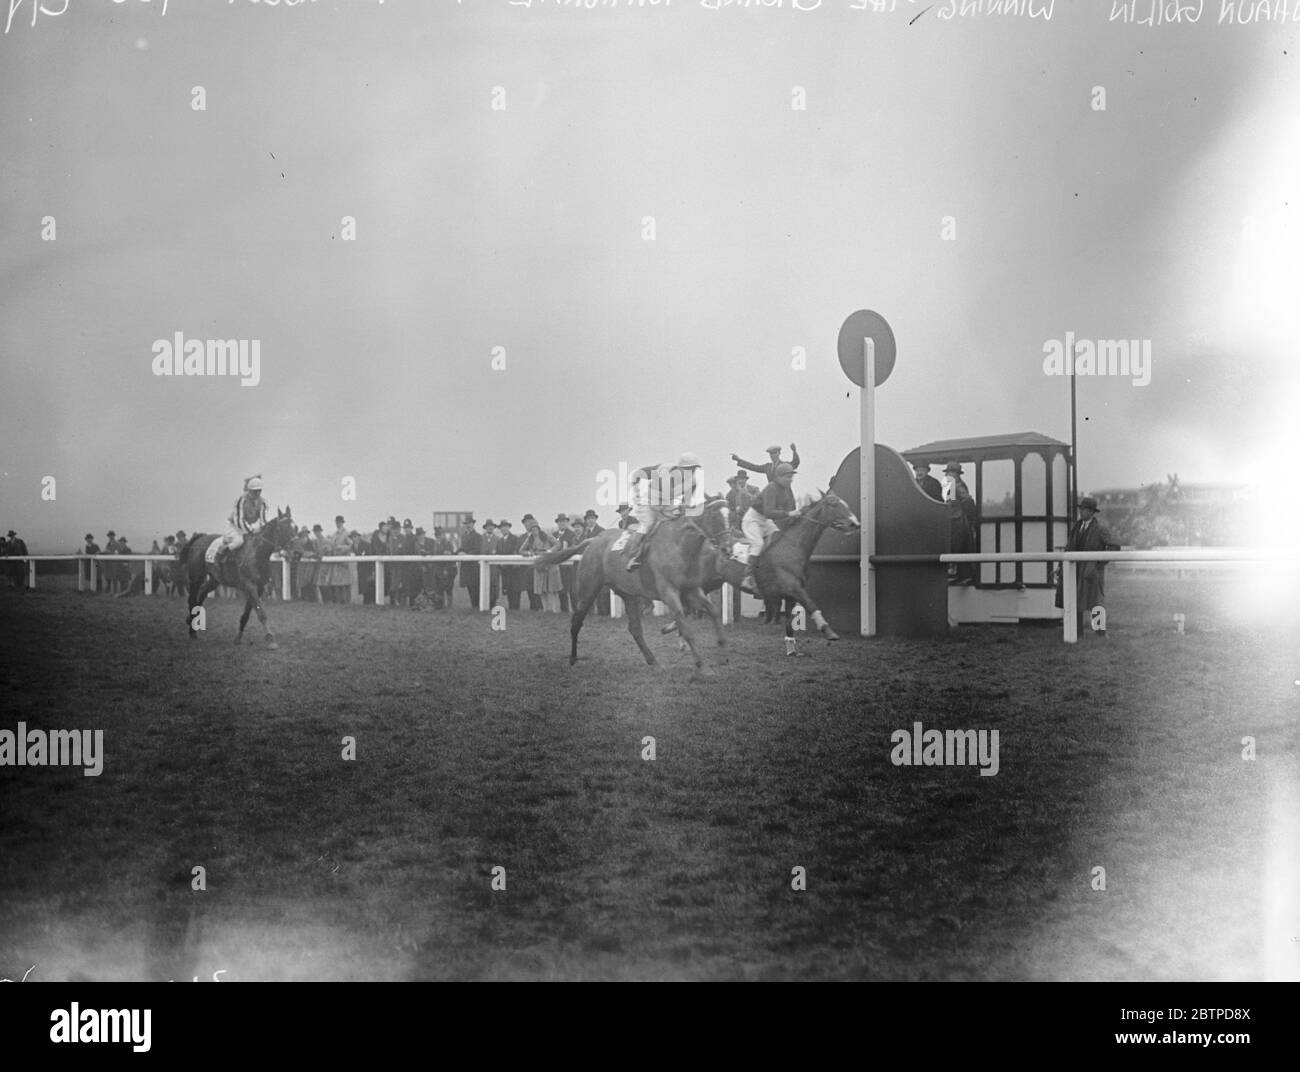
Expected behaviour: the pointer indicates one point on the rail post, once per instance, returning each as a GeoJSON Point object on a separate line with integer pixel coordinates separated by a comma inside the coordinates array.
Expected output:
{"type": "Point", "coordinates": [1070, 601]}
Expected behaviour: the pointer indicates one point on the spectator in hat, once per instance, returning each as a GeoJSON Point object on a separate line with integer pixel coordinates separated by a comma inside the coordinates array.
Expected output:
{"type": "Point", "coordinates": [471, 543]}
{"type": "Point", "coordinates": [768, 468]}
{"type": "Point", "coordinates": [962, 524]}
{"type": "Point", "coordinates": [334, 579]}
{"type": "Point", "coordinates": [444, 573]}
{"type": "Point", "coordinates": [625, 517]}
{"type": "Point", "coordinates": [109, 569]}
{"type": "Point", "coordinates": [314, 547]}
{"type": "Point", "coordinates": [740, 498]}
{"type": "Point", "coordinates": [542, 581]}
{"type": "Point", "coordinates": [379, 547]}
{"type": "Point", "coordinates": [126, 578]}
{"type": "Point", "coordinates": [490, 540]}
{"type": "Point", "coordinates": [92, 548]}
{"type": "Point", "coordinates": [590, 530]}
{"type": "Point", "coordinates": [1088, 534]}
{"type": "Point", "coordinates": [926, 482]}
{"type": "Point", "coordinates": [512, 577]}
{"type": "Point", "coordinates": [591, 525]}
{"type": "Point", "coordinates": [14, 545]}
{"type": "Point", "coordinates": [410, 575]}
{"type": "Point", "coordinates": [570, 535]}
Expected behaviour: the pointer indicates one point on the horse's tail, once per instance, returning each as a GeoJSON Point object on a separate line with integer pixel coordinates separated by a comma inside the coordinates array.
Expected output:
{"type": "Point", "coordinates": [563, 554]}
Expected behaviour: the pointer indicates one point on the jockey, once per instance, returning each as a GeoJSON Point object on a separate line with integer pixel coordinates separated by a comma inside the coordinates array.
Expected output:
{"type": "Point", "coordinates": [664, 491]}
{"type": "Point", "coordinates": [248, 517]}
{"type": "Point", "coordinates": [759, 523]}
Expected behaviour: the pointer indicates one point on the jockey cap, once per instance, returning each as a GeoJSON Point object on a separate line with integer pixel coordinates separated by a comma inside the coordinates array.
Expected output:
{"type": "Point", "coordinates": [253, 484]}
{"type": "Point", "coordinates": [785, 469]}
{"type": "Point", "coordinates": [689, 461]}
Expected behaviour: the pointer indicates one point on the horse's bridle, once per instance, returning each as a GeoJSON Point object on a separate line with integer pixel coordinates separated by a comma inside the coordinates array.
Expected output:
{"type": "Point", "coordinates": [839, 526]}
{"type": "Point", "coordinates": [718, 541]}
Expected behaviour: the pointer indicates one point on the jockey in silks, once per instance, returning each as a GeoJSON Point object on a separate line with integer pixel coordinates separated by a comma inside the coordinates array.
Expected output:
{"type": "Point", "coordinates": [664, 491]}
{"type": "Point", "coordinates": [759, 523]}
{"type": "Point", "coordinates": [248, 516]}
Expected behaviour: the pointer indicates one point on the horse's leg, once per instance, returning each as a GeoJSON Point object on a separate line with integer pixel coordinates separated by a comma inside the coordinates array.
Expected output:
{"type": "Point", "coordinates": [634, 605]}
{"type": "Point", "coordinates": [814, 613]}
{"type": "Point", "coordinates": [249, 600]}
{"type": "Point", "coordinates": [192, 601]}
{"type": "Point", "coordinates": [686, 626]}
{"type": "Point", "coordinates": [261, 617]}
{"type": "Point", "coordinates": [584, 595]}
{"type": "Point", "coordinates": [697, 600]}
{"type": "Point", "coordinates": [199, 592]}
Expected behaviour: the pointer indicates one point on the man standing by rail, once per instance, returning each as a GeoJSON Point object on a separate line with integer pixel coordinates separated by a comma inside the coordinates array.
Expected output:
{"type": "Point", "coordinates": [1089, 535]}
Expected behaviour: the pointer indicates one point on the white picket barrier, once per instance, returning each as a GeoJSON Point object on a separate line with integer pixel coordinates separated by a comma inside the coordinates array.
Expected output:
{"type": "Point", "coordinates": [1068, 560]}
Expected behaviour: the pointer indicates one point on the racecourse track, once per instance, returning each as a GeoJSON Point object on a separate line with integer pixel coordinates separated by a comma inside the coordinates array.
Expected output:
{"type": "Point", "coordinates": [478, 749]}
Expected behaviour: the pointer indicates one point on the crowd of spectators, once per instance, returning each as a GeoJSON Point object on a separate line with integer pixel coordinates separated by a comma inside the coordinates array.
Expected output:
{"type": "Point", "coordinates": [406, 584]}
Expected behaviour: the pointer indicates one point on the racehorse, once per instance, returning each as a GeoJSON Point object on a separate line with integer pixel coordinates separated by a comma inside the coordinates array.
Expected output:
{"type": "Point", "coordinates": [247, 570]}
{"type": "Point", "coordinates": [670, 572]}
{"type": "Point", "coordinates": [782, 570]}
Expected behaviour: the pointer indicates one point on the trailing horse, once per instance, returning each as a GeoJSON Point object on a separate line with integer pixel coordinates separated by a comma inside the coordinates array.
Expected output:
{"type": "Point", "coordinates": [247, 570]}
{"type": "Point", "coordinates": [782, 570]}
{"type": "Point", "coordinates": [670, 572]}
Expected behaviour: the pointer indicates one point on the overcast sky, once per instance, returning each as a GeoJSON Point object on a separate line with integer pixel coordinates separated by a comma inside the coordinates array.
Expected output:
{"type": "Point", "coordinates": [522, 228]}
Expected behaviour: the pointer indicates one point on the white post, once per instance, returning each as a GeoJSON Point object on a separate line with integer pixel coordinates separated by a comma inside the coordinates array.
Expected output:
{"type": "Point", "coordinates": [484, 586]}
{"type": "Point", "coordinates": [286, 577]}
{"type": "Point", "coordinates": [379, 582]}
{"type": "Point", "coordinates": [726, 604]}
{"type": "Point", "coordinates": [148, 576]}
{"type": "Point", "coordinates": [94, 574]}
{"type": "Point", "coordinates": [867, 474]}
{"type": "Point", "coordinates": [615, 604]}
{"type": "Point", "coordinates": [1070, 591]}
{"type": "Point", "coordinates": [354, 582]}
{"type": "Point", "coordinates": [31, 573]}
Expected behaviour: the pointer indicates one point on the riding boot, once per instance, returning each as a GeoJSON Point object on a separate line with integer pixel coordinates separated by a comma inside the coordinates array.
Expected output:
{"type": "Point", "coordinates": [634, 562]}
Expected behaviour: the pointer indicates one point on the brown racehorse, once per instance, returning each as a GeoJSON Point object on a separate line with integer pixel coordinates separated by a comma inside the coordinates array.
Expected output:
{"type": "Point", "coordinates": [670, 572]}
{"type": "Point", "coordinates": [782, 570]}
{"type": "Point", "coordinates": [248, 569]}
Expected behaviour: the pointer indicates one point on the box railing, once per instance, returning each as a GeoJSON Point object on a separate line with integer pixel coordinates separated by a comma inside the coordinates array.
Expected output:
{"type": "Point", "coordinates": [1069, 562]}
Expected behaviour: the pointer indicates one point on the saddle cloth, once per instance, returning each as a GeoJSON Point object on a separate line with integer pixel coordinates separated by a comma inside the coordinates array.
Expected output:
{"type": "Point", "coordinates": [621, 542]}
{"type": "Point", "coordinates": [740, 551]}
{"type": "Point", "coordinates": [210, 555]}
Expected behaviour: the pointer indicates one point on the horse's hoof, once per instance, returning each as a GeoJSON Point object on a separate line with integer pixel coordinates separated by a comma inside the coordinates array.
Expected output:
{"type": "Point", "coordinates": [830, 634]}
{"type": "Point", "coordinates": [272, 645]}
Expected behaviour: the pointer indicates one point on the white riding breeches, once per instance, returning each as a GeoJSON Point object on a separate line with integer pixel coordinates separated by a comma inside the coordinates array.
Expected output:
{"type": "Point", "coordinates": [757, 528]}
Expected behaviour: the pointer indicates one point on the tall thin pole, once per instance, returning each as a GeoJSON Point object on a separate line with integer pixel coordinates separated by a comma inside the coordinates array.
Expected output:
{"type": "Point", "coordinates": [867, 475]}
{"type": "Point", "coordinates": [1074, 440]}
